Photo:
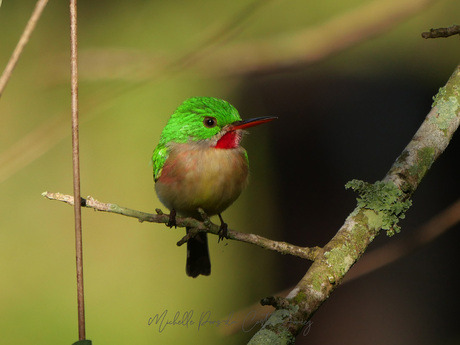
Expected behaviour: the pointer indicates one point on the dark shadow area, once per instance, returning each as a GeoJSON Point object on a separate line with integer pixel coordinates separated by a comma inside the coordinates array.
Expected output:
{"type": "Point", "coordinates": [334, 129]}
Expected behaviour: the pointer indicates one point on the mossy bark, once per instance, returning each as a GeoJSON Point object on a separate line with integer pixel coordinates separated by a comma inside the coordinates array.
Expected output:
{"type": "Point", "coordinates": [380, 206]}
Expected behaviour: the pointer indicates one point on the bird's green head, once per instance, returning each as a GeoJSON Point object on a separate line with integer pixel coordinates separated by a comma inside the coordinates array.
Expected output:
{"type": "Point", "coordinates": [207, 121]}
{"type": "Point", "coordinates": [198, 119]}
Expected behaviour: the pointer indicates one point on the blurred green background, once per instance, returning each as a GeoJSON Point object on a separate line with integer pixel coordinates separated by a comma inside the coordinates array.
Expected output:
{"type": "Point", "coordinates": [136, 67]}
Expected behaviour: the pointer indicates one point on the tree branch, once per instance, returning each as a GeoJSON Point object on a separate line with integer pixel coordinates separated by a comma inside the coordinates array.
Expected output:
{"type": "Point", "coordinates": [370, 262]}
{"type": "Point", "coordinates": [369, 217]}
{"type": "Point", "coordinates": [182, 222]}
{"type": "Point", "coordinates": [442, 32]}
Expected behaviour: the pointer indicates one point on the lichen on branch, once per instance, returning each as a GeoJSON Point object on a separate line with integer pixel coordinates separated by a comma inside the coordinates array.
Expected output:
{"type": "Point", "coordinates": [387, 202]}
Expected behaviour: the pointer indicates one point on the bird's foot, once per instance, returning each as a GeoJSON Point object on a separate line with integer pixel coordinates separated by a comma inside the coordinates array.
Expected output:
{"type": "Point", "coordinates": [172, 219]}
{"type": "Point", "coordinates": [223, 230]}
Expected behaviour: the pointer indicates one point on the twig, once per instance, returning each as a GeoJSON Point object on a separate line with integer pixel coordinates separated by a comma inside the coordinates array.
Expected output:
{"type": "Point", "coordinates": [442, 32]}
{"type": "Point", "coordinates": [39, 7]}
{"type": "Point", "coordinates": [160, 217]}
{"type": "Point", "coordinates": [76, 168]}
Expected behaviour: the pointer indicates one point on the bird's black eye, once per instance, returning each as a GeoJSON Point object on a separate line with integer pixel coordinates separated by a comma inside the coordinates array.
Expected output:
{"type": "Point", "coordinates": [210, 122]}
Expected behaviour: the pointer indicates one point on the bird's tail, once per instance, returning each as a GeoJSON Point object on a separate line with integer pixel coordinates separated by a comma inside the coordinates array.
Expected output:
{"type": "Point", "coordinates": [198, 261]}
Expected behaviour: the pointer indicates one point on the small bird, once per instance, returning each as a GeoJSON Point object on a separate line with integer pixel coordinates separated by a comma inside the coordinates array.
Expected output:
{"type": "Point", "coordinates": [199, 163]}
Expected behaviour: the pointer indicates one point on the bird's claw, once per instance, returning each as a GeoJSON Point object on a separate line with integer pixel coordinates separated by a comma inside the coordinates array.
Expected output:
{"type": "Point", "coordinates": [172, 219]}
{"type": "Point", "coordinates": [223, 232]}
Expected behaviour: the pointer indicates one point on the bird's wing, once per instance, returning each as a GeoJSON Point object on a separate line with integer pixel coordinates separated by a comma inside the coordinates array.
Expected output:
{"type": "Point", "coordinates": [160, 154]}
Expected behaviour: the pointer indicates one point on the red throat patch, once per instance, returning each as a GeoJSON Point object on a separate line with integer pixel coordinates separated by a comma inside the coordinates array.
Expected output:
{"type": "Point", "coordinates": [229, 140]}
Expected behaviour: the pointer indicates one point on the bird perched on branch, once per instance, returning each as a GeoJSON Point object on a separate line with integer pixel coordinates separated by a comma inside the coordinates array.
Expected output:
{"type": "Point", "coordinates": [199, 163]}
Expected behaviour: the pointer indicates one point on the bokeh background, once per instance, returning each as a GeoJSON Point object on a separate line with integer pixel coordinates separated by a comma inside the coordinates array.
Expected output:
{"type": "Point", "coordinates": [347, 106]}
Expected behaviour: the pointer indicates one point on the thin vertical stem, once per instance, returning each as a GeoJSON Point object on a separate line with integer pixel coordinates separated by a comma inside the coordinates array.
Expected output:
{"type": "Point", "coordinates": [76, 168]}
{"type": "Point", "coordinates": [39, 7]}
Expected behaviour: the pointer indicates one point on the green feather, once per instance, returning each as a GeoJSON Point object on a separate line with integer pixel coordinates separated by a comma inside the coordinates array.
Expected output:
{"type": "Point", "coordinates": [186, 124]}
{"type": "Point", "coordinates": [160, 154]}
